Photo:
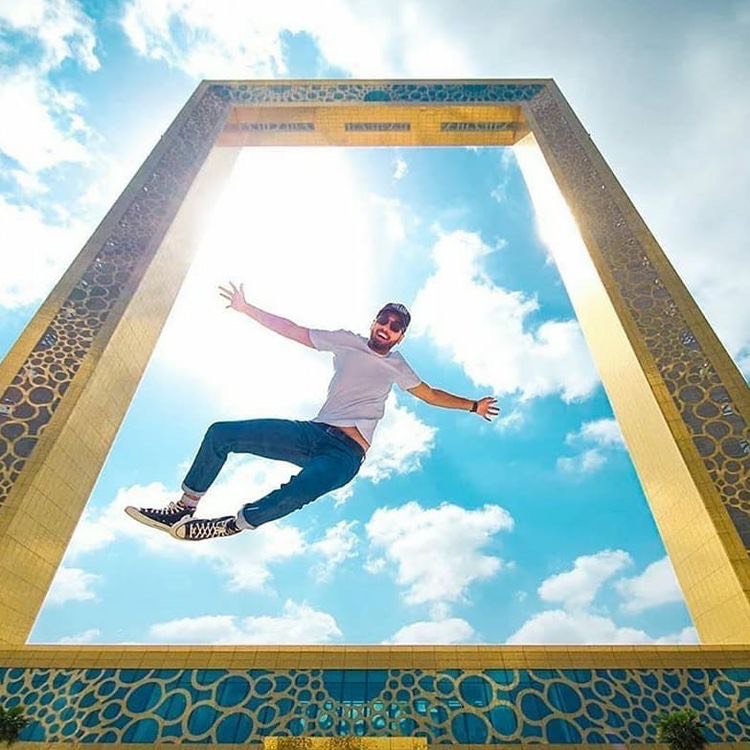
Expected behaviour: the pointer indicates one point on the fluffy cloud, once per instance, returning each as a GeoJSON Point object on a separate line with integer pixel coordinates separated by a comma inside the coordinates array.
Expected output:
{"type": "Point", "coordinates": [451, 630]}
{"type": "Point", "coordinates": [657, 585]}
{"type": "Point", "coordinates": [86, 636]}
{"type": "Point", "coordinates": [72, 585]}
{"type": "Point", "coordinates": [401, 442]}
{"type": "Point", "coordinates": [41, 252]}
{"type": "Point", "coordinates": [499, 350]}
{"type": "Point", "coordinates": [603, 434]}
{"type": "Point", "coordinates": [560, 626]}
{"type": "Point", "coordinates": [400, 169]}
{"type": "Point", "coordinates": [45, 129]}
{"type": "Point", "coordinates": [691, 202]}
{"type": "Point", "coordinates": [337, 545]}
{"type": "Point", "coordinates": [244, 561]}
{"type": "Point", "coordinates": [289, 380]}
{"type": "Point", "coordinates": [583, 463]}
{"type": "Point", "coordinates": [61, 29]}
{"type": "Point", "coordinates": [299, 623]}
{"type": "Point", "coordinates": [577, 588]}
{"type": "Point", "coordinates": [220, 38]}
{"type": "Point", "coordinates": [436, 551]}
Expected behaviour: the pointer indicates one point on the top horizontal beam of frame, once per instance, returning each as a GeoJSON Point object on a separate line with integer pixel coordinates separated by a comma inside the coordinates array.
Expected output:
{"type": "Point", "coordinates": [375, 113]}
{"type": "Point", "coordinates": [375, 125]}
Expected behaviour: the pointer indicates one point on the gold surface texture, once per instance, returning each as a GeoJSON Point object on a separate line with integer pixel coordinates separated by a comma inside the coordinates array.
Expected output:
{"type": "Point", "coordinates": [683, 406]}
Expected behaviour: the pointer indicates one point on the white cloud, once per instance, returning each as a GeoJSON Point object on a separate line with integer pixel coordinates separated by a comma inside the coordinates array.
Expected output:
{"type": "Point", "coordinates": [46, 128]}
{"type": "Point", "coordinates": [244, 561]}
{"type": "Point", "coordinates": [583, 463]}
{"type": "Point", "coordinates": [30, 184]}
{"type": "Point", "coordinates": [559, 626]}
{"type": "Point", "coordinates": [375, 565]}
{"type": "Point", "coordinates": [210, 38]}
{"type": "Point", "coordinates": [401, 441]}
{"type": "Point", "coordinates": [299, 623]}
{"type": "Point", "coordinates": [657, 585]}
{"type": "Point", "coordinates": [493, 339]}
{"type": "Point", "coordinates": [400, 169]}
{"type": "Point", "coordinates": [291, 378]}
{"type": "Point", "coordinates": [510, 422]}
{"type": "Point", "coordinates": [436, 551]}
{"type": "Point", "coordinates": [61, 28]}
{"type": "Point", "coordinates": [86, 636]}
{"type": "Point", "coordinates": [690, 201]}
{"type": "Point", "coordinates": [72, 585]}
{"type": "Point", "coordinates": [41, 252]}
{"type": "Point", "coordinates": [604, 434]}
{"type": "Point", "coordinates": [451, 630]}
{"type": "Point", "coordinates": [337, 545]}
{"type": "Point", "coordinates": [577, 588]}
{"type": "Point", "coordinates": [226, 39]}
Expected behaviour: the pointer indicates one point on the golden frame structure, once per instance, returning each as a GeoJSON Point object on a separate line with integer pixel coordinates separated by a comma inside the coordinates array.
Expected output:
{"type": "Point", "coordinates": [682, 405]}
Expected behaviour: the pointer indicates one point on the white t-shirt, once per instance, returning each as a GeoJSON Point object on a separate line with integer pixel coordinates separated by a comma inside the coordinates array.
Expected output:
{"type": "Point", "coordinates": [361, 381]}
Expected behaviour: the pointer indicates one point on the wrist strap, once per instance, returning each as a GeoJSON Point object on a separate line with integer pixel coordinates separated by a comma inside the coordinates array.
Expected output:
{"type": "Point", "coordinates": [474, 406]}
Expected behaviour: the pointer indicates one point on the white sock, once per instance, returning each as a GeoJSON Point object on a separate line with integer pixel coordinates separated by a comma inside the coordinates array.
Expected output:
{"type": "Point", "coordinates": [190, 500]}
{"type": "Point", "coordinates": [242, 522]}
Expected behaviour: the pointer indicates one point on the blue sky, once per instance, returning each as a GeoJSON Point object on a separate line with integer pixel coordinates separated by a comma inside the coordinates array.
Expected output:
{"type": "Point", "coordinates": [532, 529]}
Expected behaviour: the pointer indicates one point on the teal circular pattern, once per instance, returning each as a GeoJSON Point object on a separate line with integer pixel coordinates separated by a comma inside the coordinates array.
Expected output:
{"type": "Point", "coordinates": [446, 706]}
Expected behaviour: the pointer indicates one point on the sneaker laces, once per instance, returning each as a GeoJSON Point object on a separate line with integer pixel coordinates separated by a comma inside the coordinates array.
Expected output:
{"type": "Point", "coordinates": [174, 506]}
{"type": "Point", "coordinates": [200, 528]}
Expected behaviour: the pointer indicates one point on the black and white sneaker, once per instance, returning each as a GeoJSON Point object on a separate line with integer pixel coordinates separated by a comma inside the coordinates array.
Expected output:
{"type": "Point", "coordinates": [161, 518]}
{"type": "Point", "coordinates": [197, 529]}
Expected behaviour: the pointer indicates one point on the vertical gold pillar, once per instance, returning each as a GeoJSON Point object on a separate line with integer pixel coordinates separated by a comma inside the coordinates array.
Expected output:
{"type": "Point", "coordinates": [68, 381]}
{"type": "Point", "coordinates": [681, 403]}
{"type": "Point", "coordinates": [683, 406]}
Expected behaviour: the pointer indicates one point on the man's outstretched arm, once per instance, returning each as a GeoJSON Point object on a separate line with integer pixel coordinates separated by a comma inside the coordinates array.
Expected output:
{"type": "Point", "coordinates": [486, 407]}
{"type": "Point", "coordinates": [282, 326]}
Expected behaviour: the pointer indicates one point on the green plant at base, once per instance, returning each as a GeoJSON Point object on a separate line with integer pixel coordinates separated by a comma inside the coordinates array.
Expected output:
{"type": "Point", "coordinates": [681, 730]}
{"type": "Point", "coordinates": [12, 722]}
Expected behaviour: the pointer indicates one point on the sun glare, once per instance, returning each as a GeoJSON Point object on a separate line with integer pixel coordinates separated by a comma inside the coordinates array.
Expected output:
{"type": "Point", "coordinates": [298, 227]}
{"type": "Point", "coordinates": [555, 223]}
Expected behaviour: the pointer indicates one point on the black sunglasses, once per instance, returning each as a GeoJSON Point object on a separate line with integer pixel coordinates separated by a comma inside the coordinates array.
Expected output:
{"type": "Point", "coordinates": [395, 325]}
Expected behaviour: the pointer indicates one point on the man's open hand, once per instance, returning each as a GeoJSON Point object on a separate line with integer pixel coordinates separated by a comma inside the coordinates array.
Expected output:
{"type": "Point", "coordinates": [487, 408]}
{"type": "Point", "coordinates": [235, 296]}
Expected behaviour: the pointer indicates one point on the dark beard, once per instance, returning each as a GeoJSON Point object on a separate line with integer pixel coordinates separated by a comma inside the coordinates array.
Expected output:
{"type": "Point", "coordinates": [380, 347]}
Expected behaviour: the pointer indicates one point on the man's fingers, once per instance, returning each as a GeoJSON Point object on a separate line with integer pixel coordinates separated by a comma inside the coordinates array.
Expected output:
{"type": "Point", "coordinates": [234, 288]}
{"type": "Point", "coordinates": [242, 289]}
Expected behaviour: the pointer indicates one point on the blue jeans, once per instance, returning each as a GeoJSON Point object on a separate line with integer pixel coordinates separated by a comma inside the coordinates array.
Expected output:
{"type": "Point", "coordinates": [329, 459]}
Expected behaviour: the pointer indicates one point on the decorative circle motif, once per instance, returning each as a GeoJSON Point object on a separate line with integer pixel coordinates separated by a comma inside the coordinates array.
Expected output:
{"type": "Point", "coordinates": [720, 434]}
{"type": "Point", "coordinates": [494, 706]}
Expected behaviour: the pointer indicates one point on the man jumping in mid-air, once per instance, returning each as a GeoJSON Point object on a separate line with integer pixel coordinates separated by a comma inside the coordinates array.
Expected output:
{"type": "Point", "coordinates": [330, 448]}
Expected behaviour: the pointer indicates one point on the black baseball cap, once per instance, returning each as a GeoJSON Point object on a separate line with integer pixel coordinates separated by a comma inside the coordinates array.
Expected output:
{"type": "Point", "coordinates": [398, 309]}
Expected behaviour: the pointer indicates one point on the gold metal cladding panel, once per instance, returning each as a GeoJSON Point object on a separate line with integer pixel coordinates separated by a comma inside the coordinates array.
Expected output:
{"type": "Point", "coordinates": [375, 125]}
{"type": "Point", "coordinates": [690, 441]}
{"type": "Point", "coordinates": [703, 401]}
{"type": "Point", "coordinates": [264, 746]}
{"type": "Point", "coordinates": [473, 698]}
{"type": "Point", "coordinates": [345, 743]}
{"type": "Point", "coordinates": [58, 479]}
{"type": "Point", "coordinates": [376, 657]}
